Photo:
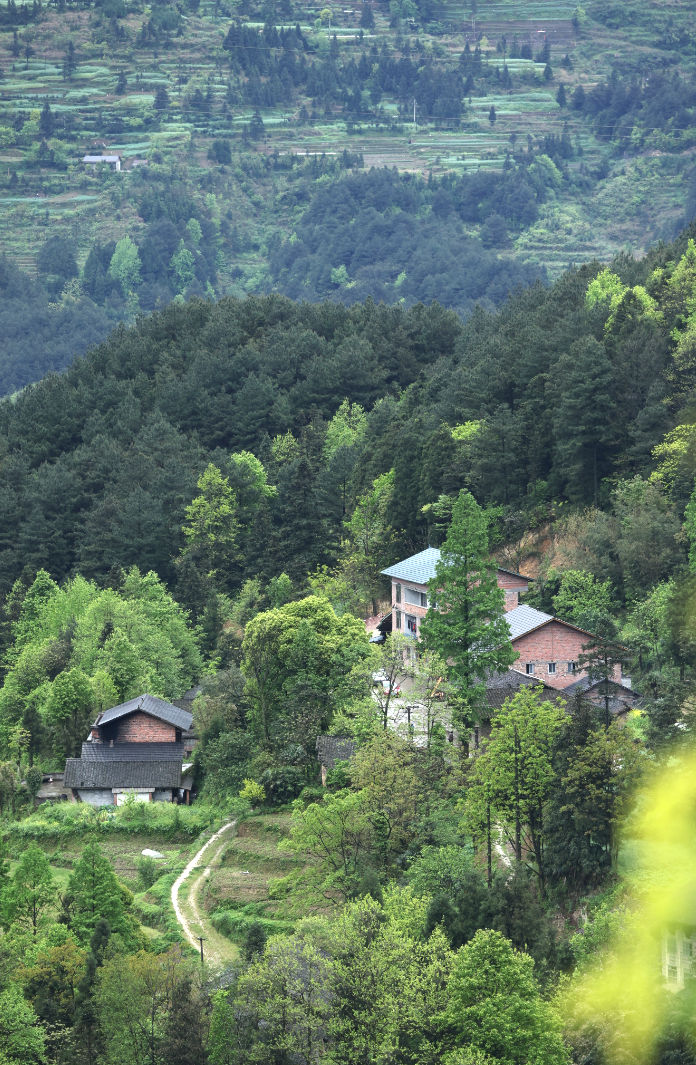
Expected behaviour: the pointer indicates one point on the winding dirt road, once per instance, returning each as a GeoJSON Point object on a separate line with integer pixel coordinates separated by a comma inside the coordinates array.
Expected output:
{"type": "Point", "coordinates": [217, 949]}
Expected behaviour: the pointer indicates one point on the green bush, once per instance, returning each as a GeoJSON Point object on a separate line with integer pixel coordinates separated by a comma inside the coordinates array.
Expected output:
{"type": "Point", "coordinates": [168, 820]}
{"type": "Point", "coordinates": [282, 784]}
{"type": "Point", "coordinates": [235, 924]}
{"type": "Point", "coordinates": [148, 870]}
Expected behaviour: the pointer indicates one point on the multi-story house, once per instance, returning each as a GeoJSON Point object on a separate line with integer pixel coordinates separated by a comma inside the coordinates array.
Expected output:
{"type": "Point", "coordinates": [547, 647]}
{"type": "Point", "coordinates": [410, 580]}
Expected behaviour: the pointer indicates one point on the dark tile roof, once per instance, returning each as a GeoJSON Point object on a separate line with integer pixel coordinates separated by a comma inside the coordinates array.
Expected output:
{"type": "Point", "coordinates": [90, 773]}
{"type": "Point", "coordinates": [503, 685]}
{"type": "Point", "coordinates": [152, 705]}
{"type": "Point", "coordinates": [132, 752]}
{"type": "Point", "coordinates": [621, 698]}
{"type": "Point", "coordinates": [332, 749]}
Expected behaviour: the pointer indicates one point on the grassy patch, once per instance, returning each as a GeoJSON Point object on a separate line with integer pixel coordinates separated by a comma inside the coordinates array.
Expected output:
{"type": "Point", "coordinates": [241, 886]}
{"type": "Point", "coordinates": [68, 820]}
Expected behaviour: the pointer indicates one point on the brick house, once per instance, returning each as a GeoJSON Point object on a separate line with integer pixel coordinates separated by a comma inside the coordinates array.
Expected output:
{"type": "Point", "coordinates": [134, 749]}
{"type": "Point", "coordinates": [548, 648]}
{"type": "Point", "coordinates": [409, 581]}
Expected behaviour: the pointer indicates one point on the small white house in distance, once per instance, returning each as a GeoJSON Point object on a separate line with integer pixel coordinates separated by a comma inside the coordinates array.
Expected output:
{"type": "Point", "coordinates": [114, 161]}
{"type": "Point", "coordinates": [679, 942]}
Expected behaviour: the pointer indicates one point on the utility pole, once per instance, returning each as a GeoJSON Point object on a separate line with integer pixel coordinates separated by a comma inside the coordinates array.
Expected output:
{"type": "Point", "coordinates": [200, 940]}
{"type": "Point", "coordinates": [414, 110]}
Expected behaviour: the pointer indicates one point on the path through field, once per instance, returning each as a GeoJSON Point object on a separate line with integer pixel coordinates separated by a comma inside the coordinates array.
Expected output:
{"type": "Point", "coordinates": [217, 949]}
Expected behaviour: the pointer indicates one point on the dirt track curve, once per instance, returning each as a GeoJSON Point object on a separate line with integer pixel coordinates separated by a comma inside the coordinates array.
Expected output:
{"type": "Point", "coordinates": [217, 950]}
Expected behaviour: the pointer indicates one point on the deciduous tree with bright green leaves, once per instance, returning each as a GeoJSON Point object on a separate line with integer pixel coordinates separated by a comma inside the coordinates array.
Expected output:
{"type": "Point", "coordinates": [495, 1006]}
{"type": "Point", "coordinates": [512, 778]}
{"type": "Point", "coordinates": [336, 837]}
{"type": "Point", "coordinates": [466, 622]}
{"type": "Point", "coordinates": [301, 655]}
{"type": "Point", "coordinates": [212, 524]}
{"type": "Point", "coordinates": [583, 599]}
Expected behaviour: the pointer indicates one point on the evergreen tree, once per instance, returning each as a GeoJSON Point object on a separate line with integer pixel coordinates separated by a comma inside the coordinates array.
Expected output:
{"type": "Point", "coordinates": [466, 622]}
{"type": "Point", "coordinates": [32, 890]}
{"type": "Point", "coordinates": [583, 417]}
{"type": "Point", "coordinates": [46, 121]}
{"type": "Point", "coordinates": [86, 1038]}
{"type": "Point", "coordinates": [94, 895]}
{"type": "Point", "coordinates": [183, 1036]}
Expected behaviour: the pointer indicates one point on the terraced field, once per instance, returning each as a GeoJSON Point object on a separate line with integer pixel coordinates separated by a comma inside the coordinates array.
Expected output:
{"type": "Point", "coordinates": [91, 116]}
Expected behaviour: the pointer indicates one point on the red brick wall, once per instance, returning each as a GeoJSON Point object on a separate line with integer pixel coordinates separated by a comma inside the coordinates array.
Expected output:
{"type": "Point", "coordinates": [142, 728]}
{"type": "Point", "coordinates": [554, 642]}
{"type": "Point", "coordinates": [512, 586]}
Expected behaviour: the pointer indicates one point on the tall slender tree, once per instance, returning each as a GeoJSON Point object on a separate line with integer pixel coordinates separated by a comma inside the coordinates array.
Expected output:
{"type": "Point", "coordinates": [466, 621]}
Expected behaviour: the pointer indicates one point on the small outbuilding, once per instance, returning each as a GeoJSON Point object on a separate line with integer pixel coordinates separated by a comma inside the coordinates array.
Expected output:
{"type": "Point", "coordinates": [94, 161]}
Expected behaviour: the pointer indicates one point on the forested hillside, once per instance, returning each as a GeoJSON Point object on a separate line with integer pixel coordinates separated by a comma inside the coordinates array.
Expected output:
{"type": "Point", "coordinates": [556, 397]}
{"type": "Point", "coordinates": [407, 152]}
{"type": "Point", "coordinates": [206, 499]}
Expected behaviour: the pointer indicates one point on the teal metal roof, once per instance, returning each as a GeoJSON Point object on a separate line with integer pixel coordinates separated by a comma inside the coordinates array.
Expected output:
{"type": "Point", "coordinates": [524, 619]}
{"type": "Point", "coordinates": [418, 568]}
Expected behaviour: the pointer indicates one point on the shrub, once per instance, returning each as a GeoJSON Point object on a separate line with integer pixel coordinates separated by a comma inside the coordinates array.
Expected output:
{"type": "Point", "coordinates": [282, 784]}
{"type": "Point", "coordinates": [148, 870]}
{"type": "Point", "coordinates": [252, 792]}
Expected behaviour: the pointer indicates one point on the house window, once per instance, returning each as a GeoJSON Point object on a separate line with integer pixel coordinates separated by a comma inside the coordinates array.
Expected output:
{"type": "Point", "coordinates": [530, 669]}
{"type": "Point", "coordinates": [397, 618]}
{"type": "Point", "coordinates": [415, 598]}
{"type": "Point", "coordinates": [552, 668]}
{"type": "Point", "coordinates": [572, 666]}
{"type": "Point", "coordinates": [397, 593]}
{"type": "Point", "coordinates": [411, 626]}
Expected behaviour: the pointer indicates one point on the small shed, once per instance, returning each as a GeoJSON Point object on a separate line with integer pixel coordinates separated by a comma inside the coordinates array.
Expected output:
{"type": "Point", "coordinates": [332, 749]}
{"type": "Point", "coordinates": [94, 161]}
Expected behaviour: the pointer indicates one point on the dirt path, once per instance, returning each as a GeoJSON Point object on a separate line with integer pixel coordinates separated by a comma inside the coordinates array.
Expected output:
{"type": "Point", "coordinates": [217, 949]}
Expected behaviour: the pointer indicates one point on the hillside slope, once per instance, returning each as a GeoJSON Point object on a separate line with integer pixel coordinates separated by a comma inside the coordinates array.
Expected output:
{"type": "Point", "coordinates": [544, 135]}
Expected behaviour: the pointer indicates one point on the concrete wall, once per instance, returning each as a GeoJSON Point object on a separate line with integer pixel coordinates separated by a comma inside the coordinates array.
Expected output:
{"type": "Point", "coordinates": [411, 609]}
{"type": "Point", "coordinates": [511, 585]}
{"type": "Point", "coordinates": [96, 796]}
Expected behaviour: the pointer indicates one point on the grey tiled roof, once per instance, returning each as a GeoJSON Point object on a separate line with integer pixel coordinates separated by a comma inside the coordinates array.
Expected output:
{"type": "Point", "coordinates": [149, 704]}
{"type": "Point", "coordinates": [90, 773]}
{"type": "Point", "coordinates": [420, 568]}
{"type": "Point", "coordinates": [332, 749]}
{"type": "Point", "coordinates": [133, 752]}
{"type": "Point", "coordinates": [503, 685]}
{"type": "Point", "coordinates": [524, 619]}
